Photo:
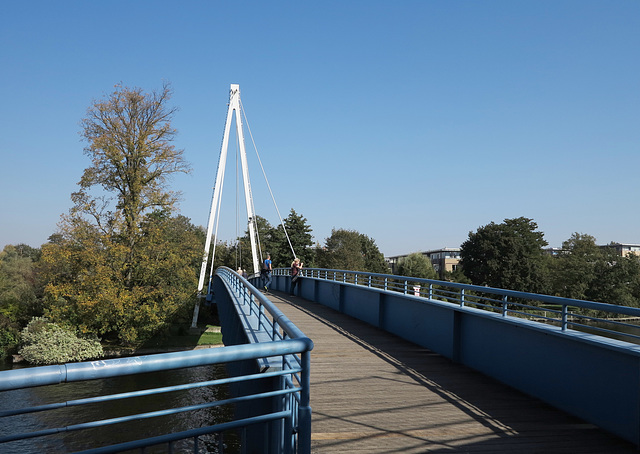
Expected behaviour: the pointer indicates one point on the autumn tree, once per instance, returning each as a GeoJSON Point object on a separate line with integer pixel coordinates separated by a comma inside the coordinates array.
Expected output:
{"type": "Point", "coordinates": [121, 262]}
{"type": "Point", "coordinates": [129, 137]}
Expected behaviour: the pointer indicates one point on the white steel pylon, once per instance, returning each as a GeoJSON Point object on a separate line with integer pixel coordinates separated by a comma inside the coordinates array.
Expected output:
{"type": "Point", "coordinates": [234, 106]}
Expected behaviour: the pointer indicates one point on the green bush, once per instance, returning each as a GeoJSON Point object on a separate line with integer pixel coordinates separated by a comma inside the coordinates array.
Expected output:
{"type": "Point", "coordinates": [44, 342]}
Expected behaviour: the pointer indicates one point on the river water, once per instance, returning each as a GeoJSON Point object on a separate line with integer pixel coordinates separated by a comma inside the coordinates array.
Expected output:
{"type": "Point", "coordinates": [117, 433]}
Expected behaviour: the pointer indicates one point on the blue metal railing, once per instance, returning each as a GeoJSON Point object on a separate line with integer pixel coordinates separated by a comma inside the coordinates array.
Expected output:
{"type": "Point", "coordinates": [273, 325]}
{"type": "Point", "coordinates": [608, 320]}
{"type": "Point", "coordinates": [286, 342]}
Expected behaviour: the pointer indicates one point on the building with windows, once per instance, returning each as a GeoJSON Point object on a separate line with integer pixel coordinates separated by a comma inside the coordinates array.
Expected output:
{"type": "Point", "coordinates": [624, 249]}
{"type": "Point", "coordinates": [444, 259]}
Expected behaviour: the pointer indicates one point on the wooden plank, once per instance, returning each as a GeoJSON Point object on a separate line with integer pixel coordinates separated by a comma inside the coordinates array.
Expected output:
{"type": "Point", "coordinates": [373, 392]}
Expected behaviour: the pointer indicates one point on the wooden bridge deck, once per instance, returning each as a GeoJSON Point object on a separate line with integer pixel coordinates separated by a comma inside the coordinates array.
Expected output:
{"type": "Point", "coordinates": [373, 392]}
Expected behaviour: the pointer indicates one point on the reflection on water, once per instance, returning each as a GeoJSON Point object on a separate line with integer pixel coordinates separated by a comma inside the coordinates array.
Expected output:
{"type": "Point", "coordinates": [121, 432]}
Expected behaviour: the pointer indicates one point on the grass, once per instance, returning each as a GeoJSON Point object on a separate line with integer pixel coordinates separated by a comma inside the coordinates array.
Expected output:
{"type": "Point", "coordinates": [179, 337]}
{"type": "Point", "coordinates": [208, 338]}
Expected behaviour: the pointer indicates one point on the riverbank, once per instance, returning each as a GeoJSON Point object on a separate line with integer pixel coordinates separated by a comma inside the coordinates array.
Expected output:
{"type": "Point", "coordinates": [206, 337]}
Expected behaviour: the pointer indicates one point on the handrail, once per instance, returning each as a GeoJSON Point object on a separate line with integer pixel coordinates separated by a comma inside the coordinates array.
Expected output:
{"type": "Point", "coordinates": [287, 341]}
{"type": "Point", "coordinates": [107, 368]}
{"type": "Point", "coordinates": [608, 320]}
{"type": "Point", "coordinates": [256, 300]}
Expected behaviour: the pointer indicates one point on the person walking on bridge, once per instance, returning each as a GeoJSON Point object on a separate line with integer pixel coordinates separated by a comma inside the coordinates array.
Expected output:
{"type": "Point", "coordinates": [296, 274]}
{"type": "Point", "coordinates": [266, 272]}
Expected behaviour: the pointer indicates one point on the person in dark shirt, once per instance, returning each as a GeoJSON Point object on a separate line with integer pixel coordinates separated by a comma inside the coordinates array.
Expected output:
{"type": "Point", "coordinates": [266, 273]}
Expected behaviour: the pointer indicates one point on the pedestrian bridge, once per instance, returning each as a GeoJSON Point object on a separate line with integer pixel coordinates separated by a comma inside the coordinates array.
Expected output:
{"type": "Point", "coordinates": [396, 365]}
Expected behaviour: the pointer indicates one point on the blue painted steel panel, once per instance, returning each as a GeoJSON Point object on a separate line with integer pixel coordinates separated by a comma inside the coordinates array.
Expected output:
{"type": "Point", "coordinates": [420, 321]}
{"type": "Point", "coordinates": [329, 293]}
{"type": "Point", "coordinates": [361, 303]}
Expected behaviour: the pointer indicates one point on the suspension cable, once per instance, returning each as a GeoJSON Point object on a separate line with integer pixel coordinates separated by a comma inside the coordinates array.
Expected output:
{"type": "Point", "coordinates": [284, 228]}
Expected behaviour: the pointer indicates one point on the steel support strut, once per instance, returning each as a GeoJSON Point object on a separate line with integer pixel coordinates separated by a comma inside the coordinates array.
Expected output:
{"type": "Point", "coordinates": [214, 214]}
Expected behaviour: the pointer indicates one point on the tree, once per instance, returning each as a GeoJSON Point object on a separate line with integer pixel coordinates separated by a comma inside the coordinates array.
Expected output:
{"type": "Point", "coordinates": [129, 135]}
{"type": "Point", "coordinates": [584, 270]}
{"type": "Point", "coordinates": [242, 249]}
{"type": "Point", "coordinates": [508, 255]}
{"type": "Point", "coordinates": [86, 289]}
{"type": "Point", "coordinates": [416, 265]}
{"type": "Point", "coordinates": [574, 269]}
{"type": "Point", "coordinates": [20, 289]}
{"type": "Point", "coordinates": [353, 251]}
{"type": "Point", "coordinates": [617, 280]}
{"type": "Point", "coordinates": [456, 275]}
{"type": "Point", "coordinates": [121, 265]}
{"type": "Point", "coordinates": [20, 293]}
{"type": "Point", "coordinates": [168, 256]}
{"type": "Point", "coordinates": [273, 241]}
{"type": "Point", "coordinates": [225, 255]}
{"type": "Point", "coordinates": [299, 233]}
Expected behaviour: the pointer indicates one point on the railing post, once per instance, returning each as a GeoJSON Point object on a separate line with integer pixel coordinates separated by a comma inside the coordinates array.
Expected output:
{"type": "Point", "coordinates": [430, 291]}
{"type": "Point", "coordinates": [565, 313]}
{"type": "Point", "coordinates": [386, 281]}
{"type": "Point", "coordinates": [405, 287]}
{"type": "Point", "coordinates": [461, 297]}
{"type": "Point", "coordinates": [504, 306]}
{"type": "Point", "coordinates": [261, 317]}
{"type": "Point", "coordinates": [304, 410]}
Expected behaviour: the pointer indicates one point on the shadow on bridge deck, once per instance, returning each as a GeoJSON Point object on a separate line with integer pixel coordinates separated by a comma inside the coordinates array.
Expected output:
{"type": "Point", "coordinates": [376, 393]}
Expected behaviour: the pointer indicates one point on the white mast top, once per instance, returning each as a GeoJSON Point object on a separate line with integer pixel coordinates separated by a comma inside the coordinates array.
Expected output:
{"type": "Point", "coordinates": [234, 106]}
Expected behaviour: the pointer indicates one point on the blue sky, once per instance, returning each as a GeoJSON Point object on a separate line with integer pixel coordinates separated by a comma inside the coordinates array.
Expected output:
{"type": "Point", "coordinates": [413, 122]}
